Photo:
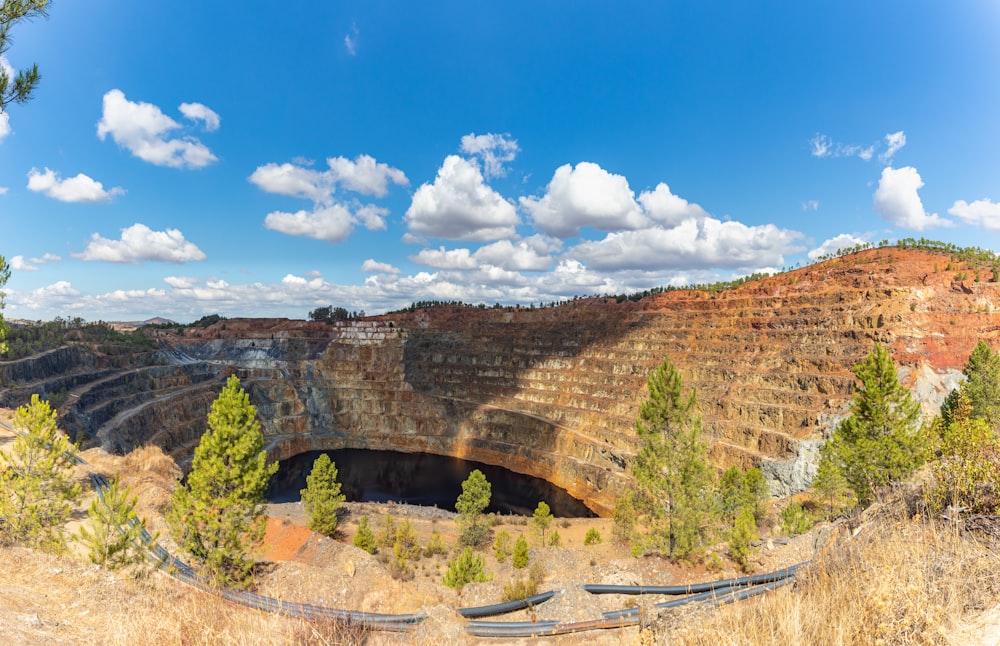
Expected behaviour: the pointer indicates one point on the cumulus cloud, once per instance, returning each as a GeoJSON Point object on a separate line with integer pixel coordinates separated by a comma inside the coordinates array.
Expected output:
{"type": "Point", "coordinates": [896, 200]}
{"type": "Point", "coordinates": [199, 112]}
{"type": "Point", "coordinates": [460, 206]}
{"type": "Point", "coordinates": [19, 263]}
{"type": "Point", "coordinates": [494, 150]}
{"type": "Point", "coordinates": [372, 266]}
{"type": "Point", "coordinates": [139, 243]}
{"type": "Point", "coordinates": [332, 223]}
{"type": "Point", "coordinates": [584, 196]}
{"type": "Point", "coordinates": [981, 213]}
{"type": "Point", "coordinates": [80, 189]}
{"type": "Point", "coordinates": [664, 207]}
{"type": "Point", "coordinates": [363, 175]}
{"type": "Point", "coordinates": [445, 259]}
{"type": "Point", "coordinates": [708, 243]}
{"type": "Point", "coordinates": [143, 129]}
{"type": "Point", "coordinates": [831, 246]}
{"type": "Point", "coordinates": [530, 254]}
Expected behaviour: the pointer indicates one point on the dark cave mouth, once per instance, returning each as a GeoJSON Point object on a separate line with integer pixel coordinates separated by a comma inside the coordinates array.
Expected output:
{"type": "Point", "coordinates": [422, 479]}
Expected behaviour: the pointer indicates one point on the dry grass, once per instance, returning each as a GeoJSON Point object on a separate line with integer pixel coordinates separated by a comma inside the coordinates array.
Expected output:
{"type": "Point", "coordinates": [898, 581]}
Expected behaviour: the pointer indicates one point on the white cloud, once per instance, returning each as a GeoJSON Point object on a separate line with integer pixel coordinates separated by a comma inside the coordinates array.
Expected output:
{"type": "Point", "coordinates": [333, 223]}
{"type": "Point", "coordinates": [495, 150]}
{"type": "Point", "coordinates": [19, 263]}
{"type": "Point", "coordinates": [896, 200]}
{"type": "Point", "coordinates": [4, 125]}
{"type": "Point", "coordinates": [831, 246]}
{"type": "Point", "coordinates": [664, 207]}
{"type": "Point", "coordinates": [363, 175]}
{"type": "Point", "coordinates": [181, 282]}
{"type": "Point", "coordinates": [445, 259]}
{"type": "Point", "coordinates": [530, 254]}
{"type": "Point", "coordinates": [584, 196]}
{"type": "Point", "coordinates": [3, 190]}
{"type": "Point", "coordinates": [140, 243]}
{"type": "Point", "coordinates": [80, 189]}
{"type": "Point", "coordinates": [810, 205]}
{"type": "Point", "coordinates": [983, 213]}
{"type": "Point", "coordinates": [351, 41]}
{"type": "Point", "coordinates": [460, 206]}
{"type": "Point", "coordinates": [708, 243]}
{"type": "Point", "coordinates": [143, 129]}
{"type": "Point", "coordinates": [893, 141]}
{"type": "Point", "coordinates": [199, 112]}
{"type": "Point", "coordinates": [372, 266]}
{"type": "Point", "coordinates": [820, 146]}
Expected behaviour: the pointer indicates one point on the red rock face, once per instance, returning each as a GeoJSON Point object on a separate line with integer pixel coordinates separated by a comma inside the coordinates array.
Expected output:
{"type": "Point", "coordinates": [555, 392]}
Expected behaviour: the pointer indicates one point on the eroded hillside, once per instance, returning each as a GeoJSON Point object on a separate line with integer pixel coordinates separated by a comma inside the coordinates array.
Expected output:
{"type": "Point", "coordinates": [552, 392]}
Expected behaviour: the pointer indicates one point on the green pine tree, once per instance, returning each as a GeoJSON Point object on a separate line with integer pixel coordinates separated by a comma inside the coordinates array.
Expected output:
{"type": "Point", "coordinates": [673, 480]}
{"type": "Point", "coordinates": [881, 440]}
{"type": "Point", "coordinates": [744, 532]}
{"type": "Point", "coordinates": [502, 546]}
{"type": "Point", "coordinates": [217, 516]}
{"type": "Point", "coordinates": [364, 538]}
{"type": "Point", "coordinates": [115, 538]}
{"type": "Point", "coordinates": [981, 387]}
{"type": "Point", "coordinates": [37, 488]}
{"type": "Point", "coordinates": [467, 567]}
{"type": "Point", "coordinates": [471, 503]}
{"type": "Point", "coordinates": [17, 88]}
{"type": "Point", "coordinates": [322, 497]}
{"type": "Point", "coordinates": [520, 558]}
{"type": "Point", "coordinates": [541, 519]}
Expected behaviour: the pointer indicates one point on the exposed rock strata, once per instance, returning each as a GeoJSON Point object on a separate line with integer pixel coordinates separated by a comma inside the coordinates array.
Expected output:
{"type": "Point", "coordinates": [554, 392]}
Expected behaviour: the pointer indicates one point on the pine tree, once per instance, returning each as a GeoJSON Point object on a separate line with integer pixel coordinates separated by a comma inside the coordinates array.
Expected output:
{"type": "Point", "coordinates": [17, 88]}
{"type": "Point", "coordinates": [673, 480]}
{"type": "Point", "coordinates": [541, 519]}
{"type": "Point", "coordinates": [743, 533]}
{"type": "Point", "coordinates": [981, 387]}
{"type": "Point", "coordinates": [468, 567]}
{"type": "Point", "coordinates": [37, 489]}
{"type": "Point", "coordinates": [322, 497]}
{"type": "Point", "coordinates": [115, 537]}
{"type": "Point", "coordinates": [364, 538]}
{"type": "Point", "coordinates": [520, 558]}
{"type": "Point", "coordinates": [831, 488]}
{"type": "Point", "coordinates": [881, 440]}
{"type": "Point", "coordinates": [471, 503]}
{"type": "Point", "coordinates": [218, 514]}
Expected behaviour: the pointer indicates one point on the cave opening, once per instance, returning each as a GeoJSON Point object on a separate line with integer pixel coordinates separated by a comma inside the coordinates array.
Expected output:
{"type": "Point", "coordinates": [422, 479]}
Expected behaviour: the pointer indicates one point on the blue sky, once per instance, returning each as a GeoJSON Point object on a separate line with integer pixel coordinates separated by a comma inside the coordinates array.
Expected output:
{"type": "Point", "coordinates": [259, 159]}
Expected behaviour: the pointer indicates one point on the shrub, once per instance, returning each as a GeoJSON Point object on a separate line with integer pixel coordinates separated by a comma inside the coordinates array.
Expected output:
{"type": "Point", "coordinates": [555, 540]}
{"type": "Point", "coordinates": [795, 519]}
{"type": "Point", "coordinates": [502, 546]}
{"type": "Point", "coordinates": [519, 589]}
{"type": "Point", "coordinates": [520, 557]}
{"type": "Point", "coordinates": [593, 537]}
{"type": "Point", "coordinates": [115, 537]}
{"type": "Point", "coordinates": [435, 546]}
{"type": "Point", "coordinates": [364, 538]}
{"type": "Point", "coordinates": [467, 567]}
{"type": "Point", "coordinates": [744, 531]}
{"type": "Point", "coordinates": [387, 535]}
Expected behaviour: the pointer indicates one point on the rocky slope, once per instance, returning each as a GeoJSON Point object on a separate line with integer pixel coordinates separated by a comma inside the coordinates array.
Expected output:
{"type": "Point", "coordinates": [551, 392]}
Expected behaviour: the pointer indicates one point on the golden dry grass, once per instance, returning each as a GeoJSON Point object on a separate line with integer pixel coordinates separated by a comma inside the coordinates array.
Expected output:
{"type": "Point", "coordinates": [900, 580]}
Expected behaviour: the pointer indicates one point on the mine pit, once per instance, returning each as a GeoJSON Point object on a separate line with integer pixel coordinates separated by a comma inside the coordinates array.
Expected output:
{"type": "Point", "coordinates": [422, 479]}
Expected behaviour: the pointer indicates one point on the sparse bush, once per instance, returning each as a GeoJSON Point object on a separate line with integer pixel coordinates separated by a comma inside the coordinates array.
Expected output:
{"type": "Point", "coordinates": [364, 538]}
{"type": "Point", "coordinates": [502, 546]}
{"type": "Point", "coordinates": [519, 589]}
{"type": "Point", "coordinates": [555, 540]}
{"type": "Point", "coordinates": [435, 546]}
{"type": "Point", "coordinates": [795, 519]}
{"type": "Point", "coordinates": [520, 557]}
{"type": "Point", "coordinates": [593, 537]}
{"type": "Point", "coordinates": [467, 567]}
{"type": "Point", "coordinates": [386, 536]}
{"type": "Point", "coordinates": [113, 540]}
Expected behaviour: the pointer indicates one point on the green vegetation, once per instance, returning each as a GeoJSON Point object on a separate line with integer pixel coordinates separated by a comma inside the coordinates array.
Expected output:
{"type": "Point", "coordinates": [329, 314]}
{"type": "Point", "coordinates": [467, 567]}
{"type": "Point", "coordinates": [593, 537]}
{"type": "Point", "coordinates": [541, 519]}
{"type": "Point", "coordinates": [795, 519]}
{"type": "Point", "coordinates": [671, 509]}
{"type": "Point", "coordinates": [115, 538]}
{"type": "Point", "coordinates": [37, 488]}
{"type": "Point", "coordinates": [981, 388]}
{"type": "Point", "coordinates": [26, 340]}
{"type": "Point", "coordinates": [502, 546]}
{"type": "Point", "coordinates": [471, 503]}
{"type": "Point", "coordinates": [881, 441]}
{"type": "Point", "coordinates": [435, 546]}
{"type": "Point", "coordinates": [743, 533]}
{"type": "Point", "coordinates": [17, 89]}
{"type": "Point", "coordinates": [520, 558]}
{"type": "Point", "coordinates": [739, 490]}
{"type": "Point", "coordinates": [322, 497]}
{"type": "Point", "coordinates": [217, 515]}
{"type": "Point", "coordinates": [364, 538]}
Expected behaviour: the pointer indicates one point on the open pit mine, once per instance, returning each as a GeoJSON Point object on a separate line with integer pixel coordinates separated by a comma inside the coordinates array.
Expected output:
{"type": "Point", "coordinates": [550, 392]}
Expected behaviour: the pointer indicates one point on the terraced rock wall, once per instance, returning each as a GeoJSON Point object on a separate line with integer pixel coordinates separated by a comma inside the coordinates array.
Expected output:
{"type": "Point", "coordinates": [554, 392]}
